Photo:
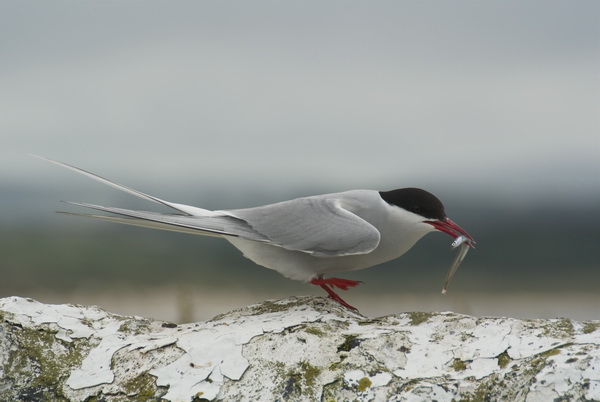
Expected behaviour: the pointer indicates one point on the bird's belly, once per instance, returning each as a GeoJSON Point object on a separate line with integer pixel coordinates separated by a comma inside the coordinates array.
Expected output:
{"type": "Point", "coordinates": [303, 266]}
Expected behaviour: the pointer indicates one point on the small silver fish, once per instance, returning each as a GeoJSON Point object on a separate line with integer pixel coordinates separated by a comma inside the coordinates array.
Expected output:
{"type": "Point", "coordinates": [459, 240]}
{"type": "Point", "coordinates": [464, 247]}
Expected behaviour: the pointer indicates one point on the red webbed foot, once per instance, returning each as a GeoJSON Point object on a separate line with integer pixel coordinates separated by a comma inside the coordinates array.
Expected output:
{"type": "Point", "coordinates": [329, 283]}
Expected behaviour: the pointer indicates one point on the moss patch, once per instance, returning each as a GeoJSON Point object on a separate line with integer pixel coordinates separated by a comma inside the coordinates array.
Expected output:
{"type": "Point", "coordinates": [296, 380]}
{"type": "Point", "coordinates": [590, 327]}
{"type": "Point", "coordinates": [134, 327]}
{"type": "Point", "coordinates": [562, 328]}
{"type": "Point", "coordinates": [418, 318]}
{"type": "Point", "coordinates": [265, 307]}
{"type": "Point", "coordinates": [459, 365]}
{"type": "Point", "coordinates": [350, 342]}
{"type": "Point", "coordinates": [142, 387]}
{"type": "Point", "coordinates": [39, 363]}
{"type": "Point", "coordinates": [310, 373]}
{"type": "Point", "coordinates": [314, 331]}
{"type": "Point", "coordinates": [503, 360]}
{"type": "Point", "coordinates": [551, 352]}
{"type": "Point", "coordinates": [363, 384]}
{"type": "Point", "coordinates": [540, 361]}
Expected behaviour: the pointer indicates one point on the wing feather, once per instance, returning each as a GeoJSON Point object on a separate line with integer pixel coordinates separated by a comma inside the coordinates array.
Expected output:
{"type": "Point", "coordinates": [319, 225]}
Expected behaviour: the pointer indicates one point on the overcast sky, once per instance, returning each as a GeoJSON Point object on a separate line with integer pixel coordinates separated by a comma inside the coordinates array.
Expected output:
{"type": "Point", "coordinates": [494, 96]}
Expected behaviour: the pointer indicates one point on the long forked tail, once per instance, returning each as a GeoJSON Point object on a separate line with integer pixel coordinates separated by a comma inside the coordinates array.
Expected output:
{"type": "Point", "coordinates": [185, 209]}
{"type": "Point", "coordinates": [141, 223]}
{"type": "Point", "coordinates": [189, 219]}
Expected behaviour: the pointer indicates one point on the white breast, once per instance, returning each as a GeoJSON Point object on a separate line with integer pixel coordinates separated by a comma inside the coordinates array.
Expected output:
{"type": "Point", "coordinates": [399, 231]}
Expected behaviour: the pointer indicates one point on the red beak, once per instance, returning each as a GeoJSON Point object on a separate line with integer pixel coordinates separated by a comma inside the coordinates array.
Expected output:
{"type": "Point", "coordinates": [449, 227]}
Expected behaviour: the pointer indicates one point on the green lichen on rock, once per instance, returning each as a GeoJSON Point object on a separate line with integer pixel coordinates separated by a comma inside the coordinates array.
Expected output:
{"type": "Point", "coordinates": [363, 384]}
{"type": "Point", "coordinates": [503, 360]}
{"type": "Point", "coordinates": [269, 306]}
{"type": "Point", "coordinates": [296, 380]}
{"type": "Point", "coordinates": [551, 352]}
{"type": "Point", "coordinates": [590, 327]}
{"type": "Point", "coordinates": [38, 362]}
{"type": "Point", "coordinates": [142, 387]}
{"type": "Point", "coordinates": [310, 373]}
{"type": "Point", "coordinates": [459, 365]}
{"type": "Point", "coordinates": [375, 321]}
{"type": "Point", "coordinates": [562, 328]}
{"type": "Point", "coordinates": [266, 307]}
{"type": "Point", "coordinates": [350, 342]}
{"type": "Point", "coordinates": [134, 327]}
{"type": "Point", "coordinates": [486, 391]}
{"type": "Point", "coordinates": [314, 331]}
{"type": "Point", "coordinates": [418, 318]}
{"type": "Point", "coordinates": [337, 365]}
{"type": "Point", "coordinates": [539, 362]}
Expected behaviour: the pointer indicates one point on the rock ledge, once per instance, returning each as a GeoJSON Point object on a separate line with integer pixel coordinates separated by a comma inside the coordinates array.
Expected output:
{"type": "Point", "coordinates": [300, 348]}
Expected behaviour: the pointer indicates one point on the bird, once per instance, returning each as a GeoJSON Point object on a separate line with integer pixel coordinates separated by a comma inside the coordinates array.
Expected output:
{"type": "Point", "coordinates": [306, 238]}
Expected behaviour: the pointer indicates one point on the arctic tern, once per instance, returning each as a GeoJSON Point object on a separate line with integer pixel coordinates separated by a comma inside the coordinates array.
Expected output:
{"type": "Point", "coordinates": [309, 237]}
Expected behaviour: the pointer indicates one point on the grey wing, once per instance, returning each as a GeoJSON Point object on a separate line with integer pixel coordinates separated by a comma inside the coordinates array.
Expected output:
{"type": "Point", "coordinates": [320, 226]}
{"type": "Point", "coordinates": [316, 225]}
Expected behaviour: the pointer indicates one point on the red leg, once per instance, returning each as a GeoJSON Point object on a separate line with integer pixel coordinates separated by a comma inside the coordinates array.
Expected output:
{"type": "Point", "coordinates": [343, 284]}
{"type": "Point", "coordinates": [339, 283]}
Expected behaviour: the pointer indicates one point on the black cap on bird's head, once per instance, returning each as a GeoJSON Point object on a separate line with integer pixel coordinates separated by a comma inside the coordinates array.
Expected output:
{"type": "Point", "coordinates": [428, 206]}
{"type": "Point", "coordinates": [417, 201]}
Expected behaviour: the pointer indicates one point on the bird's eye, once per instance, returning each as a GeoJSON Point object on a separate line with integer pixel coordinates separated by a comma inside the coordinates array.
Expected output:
{"type": "Point", "coordinates": [417, 209]}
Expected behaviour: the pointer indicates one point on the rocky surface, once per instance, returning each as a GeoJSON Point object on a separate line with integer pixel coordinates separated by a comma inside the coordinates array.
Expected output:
{"type": "Point", "coordinates": [300, 348]}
